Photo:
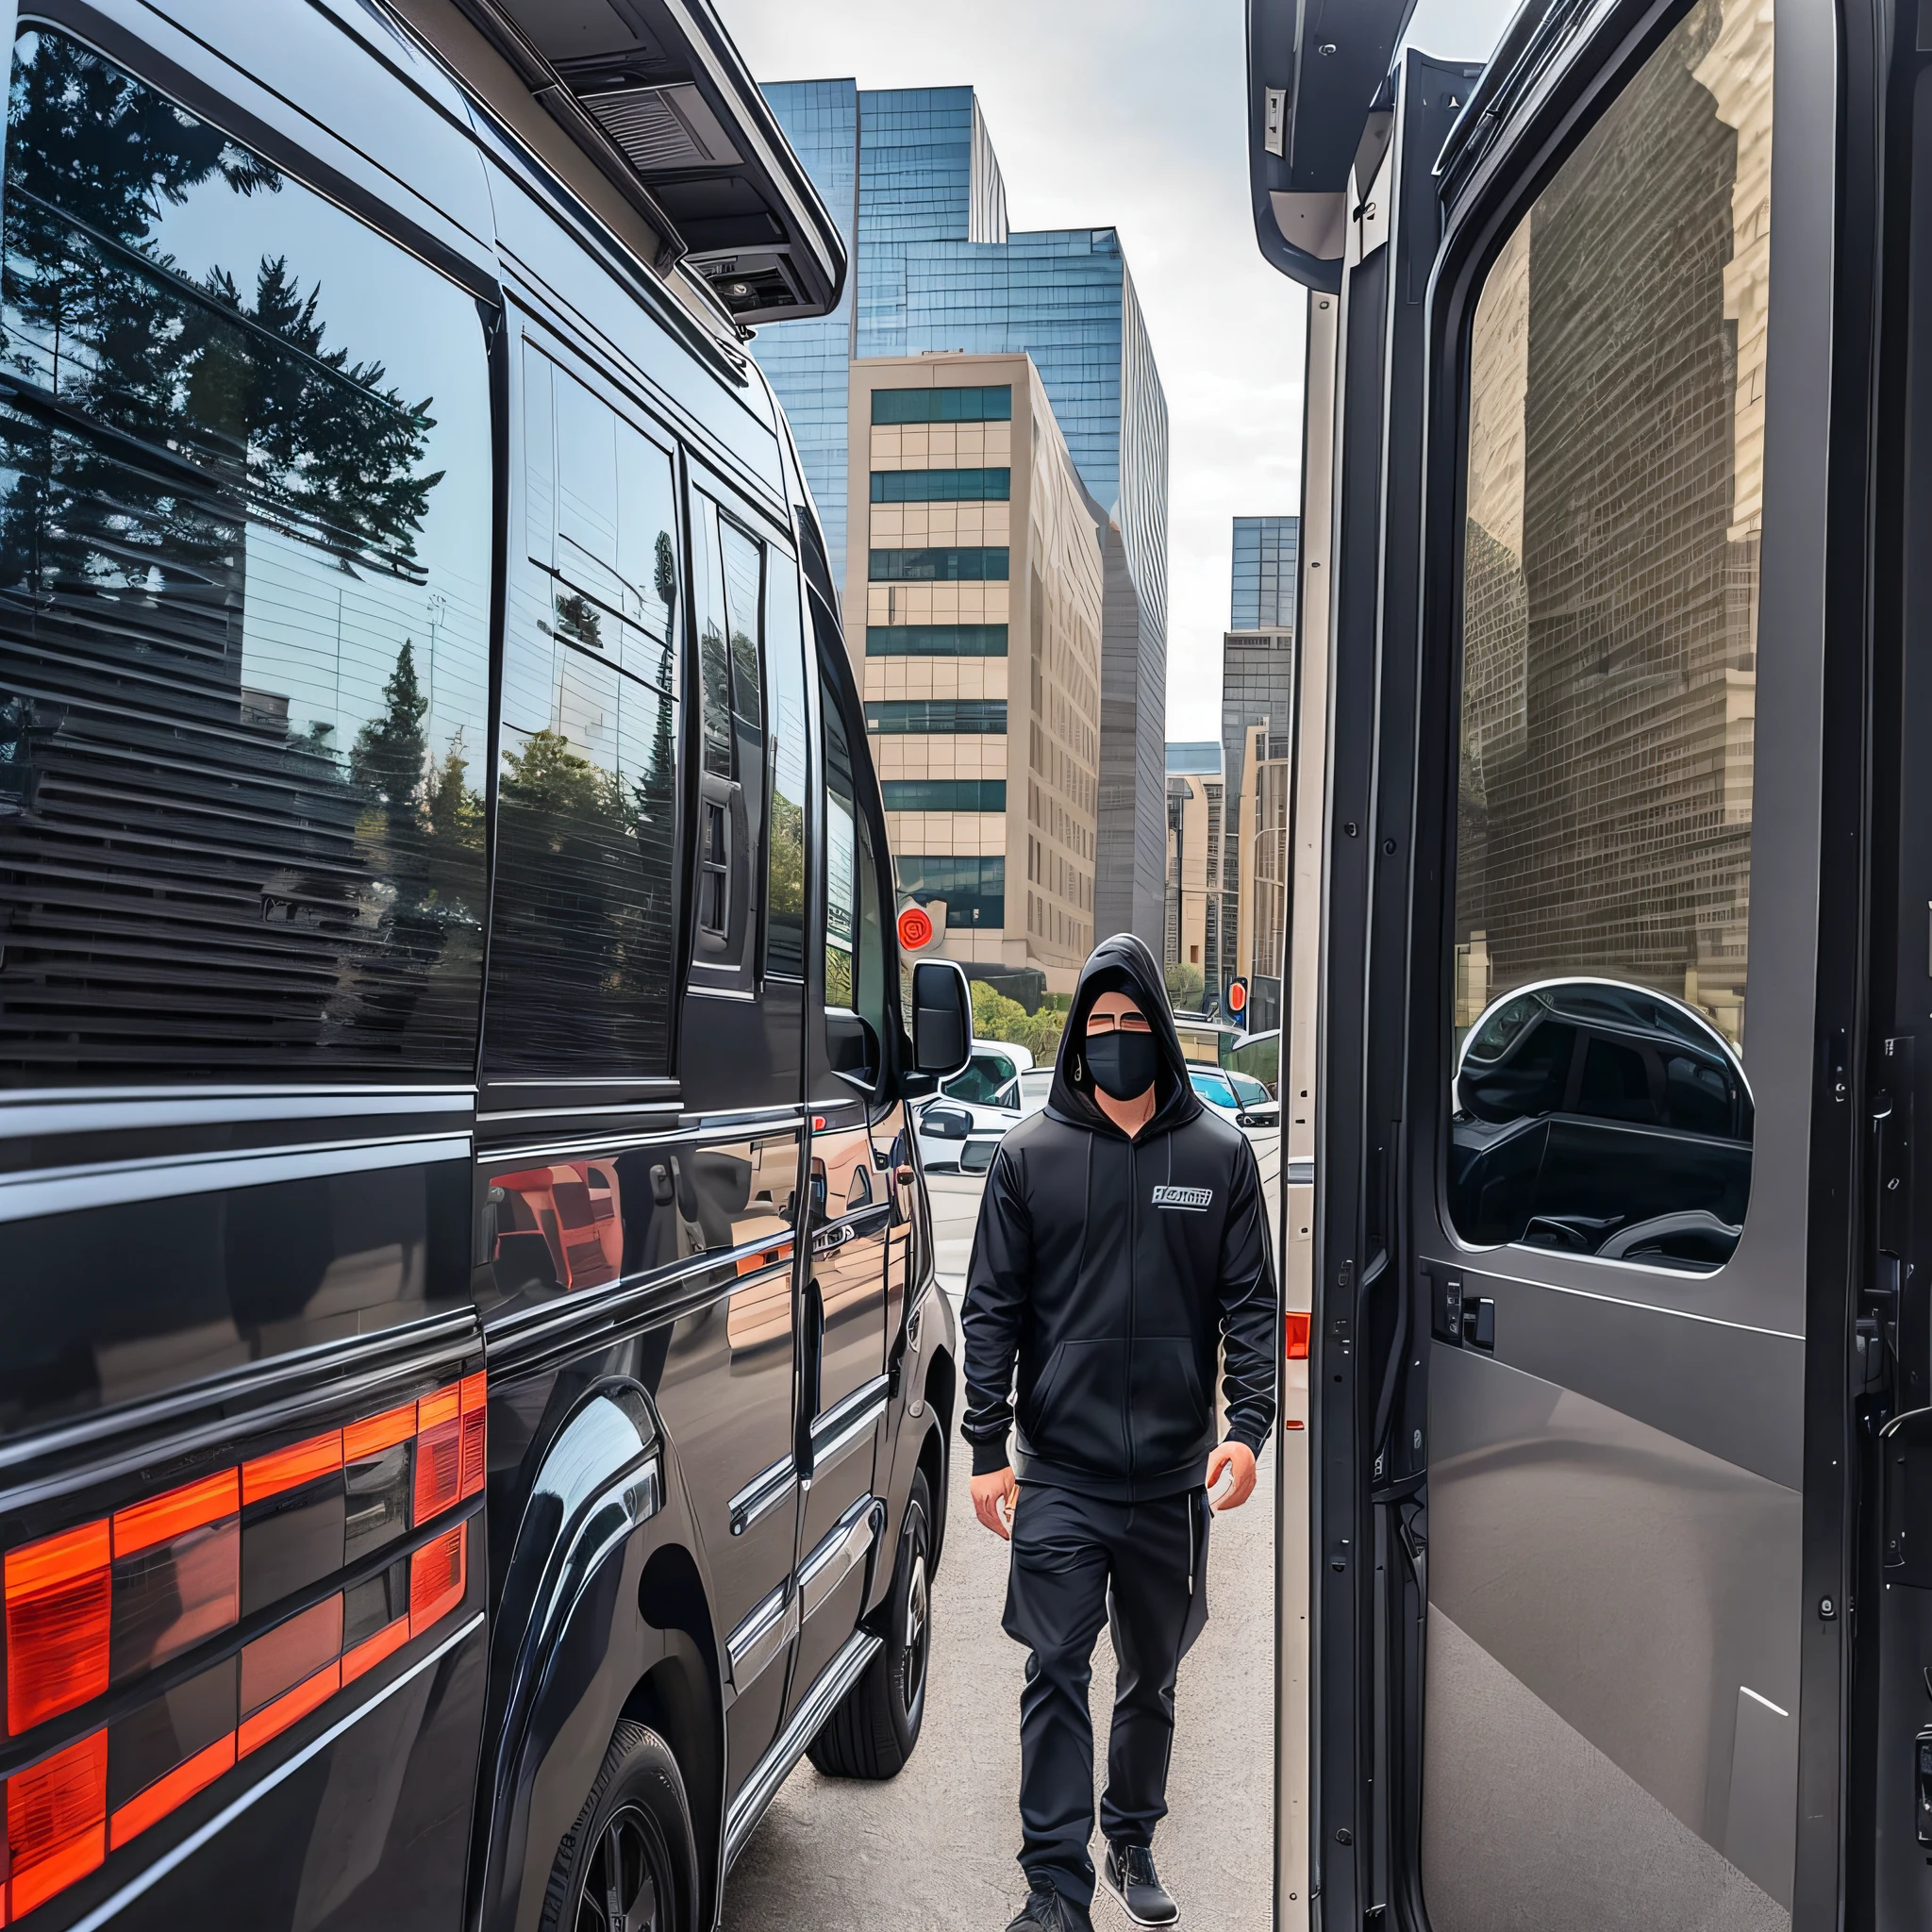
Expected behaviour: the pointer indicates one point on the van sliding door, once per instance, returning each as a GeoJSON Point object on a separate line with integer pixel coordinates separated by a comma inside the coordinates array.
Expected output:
{"type": "Point", "coordinates": [1569, 1076]}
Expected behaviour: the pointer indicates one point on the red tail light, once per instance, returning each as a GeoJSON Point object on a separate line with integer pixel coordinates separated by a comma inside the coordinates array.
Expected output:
{"type": "Point", "coordinates": [1295, 1327]}
{"type": "Point", "coordinates": [167, 1793]}
{"type": "Point", "coordinates": [439, 1452]}
{"type": "Point", "coordinates": [375, 1433]}
{"type": "Point", "coordinates": [475, 1458]}
{"type": "Point", "coordinates": [437, 1576]}
{"type": "Point", "coordinates": [290, 1468]}
{"type": "Point", "coordinates": [57, 1822]}
{"type": "Point", "coordinates": [57, 1623]}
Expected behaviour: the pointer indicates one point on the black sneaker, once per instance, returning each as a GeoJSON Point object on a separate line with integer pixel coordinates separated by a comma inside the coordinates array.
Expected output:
{"type": "Point", "coordinates": [1129, 1874]}
{"type": "Point", "coordinates": [1051, 1909]}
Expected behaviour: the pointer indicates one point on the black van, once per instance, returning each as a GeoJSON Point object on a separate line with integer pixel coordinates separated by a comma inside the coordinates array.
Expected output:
{"type": "Point", "coordinates": [473, 1400]}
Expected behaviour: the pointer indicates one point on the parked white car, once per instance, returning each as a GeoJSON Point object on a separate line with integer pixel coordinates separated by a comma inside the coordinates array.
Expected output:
{"type": "Point", "coordinates": [959, 1127]}
{"type": "Point", "coordinates": [1237, 1097]}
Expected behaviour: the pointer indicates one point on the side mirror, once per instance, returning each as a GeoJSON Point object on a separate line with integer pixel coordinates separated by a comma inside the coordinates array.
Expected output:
{"type": "Point", "coordinates": [942, 1018]}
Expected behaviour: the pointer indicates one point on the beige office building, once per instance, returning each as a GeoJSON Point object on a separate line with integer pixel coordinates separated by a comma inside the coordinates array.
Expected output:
{"type": "Point", "coordinates": [972, 611]}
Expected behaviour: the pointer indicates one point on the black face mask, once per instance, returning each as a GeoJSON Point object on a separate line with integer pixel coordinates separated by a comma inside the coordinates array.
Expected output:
{"type": "Point", "coordinates": [1124, 1064]}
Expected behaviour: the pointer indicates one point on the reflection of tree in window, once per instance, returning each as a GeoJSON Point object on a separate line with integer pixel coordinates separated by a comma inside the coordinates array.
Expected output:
{"type": "Point", "coordinates": [222, 425]}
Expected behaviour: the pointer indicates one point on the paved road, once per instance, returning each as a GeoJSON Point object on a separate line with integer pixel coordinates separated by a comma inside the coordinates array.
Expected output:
{"type": "Point", "coordinates": [933, 1850]}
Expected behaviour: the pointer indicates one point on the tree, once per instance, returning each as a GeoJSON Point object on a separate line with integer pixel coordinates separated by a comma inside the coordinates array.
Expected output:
{"type": "Point", "coordinates": [1185, 987]}
{"type": "Point", "coordinates": [387, 761]}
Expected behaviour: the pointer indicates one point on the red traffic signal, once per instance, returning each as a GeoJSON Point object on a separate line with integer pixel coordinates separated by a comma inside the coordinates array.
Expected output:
{"type": "Point", "coordinates": [1237, 995]}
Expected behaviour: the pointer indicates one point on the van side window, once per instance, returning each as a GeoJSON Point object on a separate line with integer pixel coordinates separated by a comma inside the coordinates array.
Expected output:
{"type": "Point", "coordinates": [790, 769]}
{"type": "Point", "coordinates": [729, 575]}
{"type": "Point", "coordinates": [1611, 570]}
{"type": "Point", "coordinates": [840, 937]}
{"type": "Point", "coordinates": [855, 946]}
{"type": "Point", "coordinates": [584, 898]}
{"type": "Point", "coordinates": [244, 608]}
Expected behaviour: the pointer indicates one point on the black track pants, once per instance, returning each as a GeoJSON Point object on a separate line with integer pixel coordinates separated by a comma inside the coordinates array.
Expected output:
{"type": "Point", "coordinates": [1068, 1549]}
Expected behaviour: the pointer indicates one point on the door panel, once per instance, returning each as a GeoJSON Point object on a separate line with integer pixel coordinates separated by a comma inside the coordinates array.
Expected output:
{"type": "Point", "coordinates": [725, 1395]}
{"type": "Point", "coordinates": [1564, 1188]}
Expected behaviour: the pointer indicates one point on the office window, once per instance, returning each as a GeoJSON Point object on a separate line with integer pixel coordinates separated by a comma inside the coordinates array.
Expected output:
{"type": "Point", "coordinates": [945, 795]}
{"type": "Point", "coordinates": [943, 715]}
{"type": "Point", "coordinates": [992, 402]}
{"type": "Point", "coordinates": [973, 566]}
{"type": "Point", "coordinates": [973, 887]}
{"type": "Point", "coordinates": [1610, 573]}
{"type": "Point", "coordinates": [244, 606]}
{"type": "Point", "coordinates": [936, 640]}
{"type": "Point", "coordinates": [941, 485]}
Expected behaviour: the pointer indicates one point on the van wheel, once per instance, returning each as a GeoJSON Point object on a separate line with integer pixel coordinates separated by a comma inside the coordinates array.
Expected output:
{"type": "Point", "coordinates": [872, 1731]}
{"type": "Point", "coordinates": [630, 1862]}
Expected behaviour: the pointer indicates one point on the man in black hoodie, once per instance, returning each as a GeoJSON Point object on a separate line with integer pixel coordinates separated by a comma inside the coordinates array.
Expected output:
{"type": "Point", "coordinates": [1121, 1243]}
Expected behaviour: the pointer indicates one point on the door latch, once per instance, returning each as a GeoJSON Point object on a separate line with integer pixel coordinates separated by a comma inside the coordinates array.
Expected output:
{"type": "Point", "coordinates": [1922, 1783]}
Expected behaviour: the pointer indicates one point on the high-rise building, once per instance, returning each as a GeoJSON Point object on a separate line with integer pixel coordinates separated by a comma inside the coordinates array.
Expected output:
{"type": "Point", "coordinates": [1196, 931]}
{"type": "Point", "coordinates": [935, 268]}
{"type": "Point", "coordinates": [973, 610]}
{"type": "Point", "coordinates": [1257, 685]}
{"type": "Point", "coordinates": [1259, 912]}
{"type": "Point", "coordinates": [1266, 552]}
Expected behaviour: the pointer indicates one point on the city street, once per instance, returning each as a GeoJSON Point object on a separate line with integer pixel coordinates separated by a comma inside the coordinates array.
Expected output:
{"type": "Point", "coordinates": [935, 1847]}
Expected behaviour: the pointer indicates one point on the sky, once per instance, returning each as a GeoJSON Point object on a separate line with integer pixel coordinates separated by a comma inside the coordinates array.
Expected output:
{"type": "Point", "coordinates": [1129, 114]}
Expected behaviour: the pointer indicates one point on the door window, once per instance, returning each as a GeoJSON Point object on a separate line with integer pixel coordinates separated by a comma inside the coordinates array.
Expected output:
{"type": "Point", "coordinates": [728, 578]}
{"type": "Point", "coordinates": [244, 611]}
{"type": "Point", "coordinates": [790, 770]}
{"type": "Point", "coordinates": [587, 818]}
{"type": "Point", "coordinates": [1609, 618]}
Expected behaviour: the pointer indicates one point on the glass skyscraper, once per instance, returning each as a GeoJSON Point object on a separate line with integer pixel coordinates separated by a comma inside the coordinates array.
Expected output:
{"type": "Point", "coordinates": [935, 267]}
{"type": "Point", "coordinates": [1266, 550]}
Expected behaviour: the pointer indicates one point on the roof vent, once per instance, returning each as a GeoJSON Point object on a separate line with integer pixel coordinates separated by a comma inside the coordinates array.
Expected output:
{"type": "Point", "coordinates": [662, 128]}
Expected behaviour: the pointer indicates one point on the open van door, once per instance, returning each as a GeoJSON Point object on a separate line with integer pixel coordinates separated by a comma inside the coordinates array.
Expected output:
{"type": "Point", "coordinates": [1605, 1632]}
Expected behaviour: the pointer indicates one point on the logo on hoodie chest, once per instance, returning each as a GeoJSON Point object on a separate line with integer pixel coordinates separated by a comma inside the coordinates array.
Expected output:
{"type": "Point", "coordinates": [1191, 1199]}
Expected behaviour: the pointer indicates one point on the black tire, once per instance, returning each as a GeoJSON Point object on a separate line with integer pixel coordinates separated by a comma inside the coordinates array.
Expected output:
{"type": "Point", "coordinates": [635, 1824]}
{"type": "Point", "coordinates": [872, 1731]}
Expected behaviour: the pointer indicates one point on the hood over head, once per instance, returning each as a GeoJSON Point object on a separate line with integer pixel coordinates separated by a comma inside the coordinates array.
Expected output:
{"type": "Point", "coordinates": [1121, 964]}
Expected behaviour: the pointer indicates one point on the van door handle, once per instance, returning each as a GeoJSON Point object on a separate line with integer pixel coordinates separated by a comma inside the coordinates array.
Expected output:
{"type": "Point", "coordinates": [1479, 1321]}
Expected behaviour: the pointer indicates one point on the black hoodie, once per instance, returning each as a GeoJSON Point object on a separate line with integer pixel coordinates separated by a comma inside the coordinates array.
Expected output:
{"type": "Point", "coordinates": [1111, 1270]}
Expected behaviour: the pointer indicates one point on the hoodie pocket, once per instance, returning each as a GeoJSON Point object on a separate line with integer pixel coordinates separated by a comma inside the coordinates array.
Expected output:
{"type": "Point", "coordinates": [1172, 1421]}
{"type": "Point", "coordinates": [1078, 1413]}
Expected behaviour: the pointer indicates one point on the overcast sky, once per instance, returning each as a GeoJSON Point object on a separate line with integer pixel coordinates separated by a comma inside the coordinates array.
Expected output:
{"type": "Point", "coordinates": [1128, 114]}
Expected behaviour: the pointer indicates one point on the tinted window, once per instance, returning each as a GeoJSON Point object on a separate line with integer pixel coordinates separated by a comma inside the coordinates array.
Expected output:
{"type": "Point", "coordinates": [991, 403]}
{"type": "Point", "coordinates": [728, 577]}
{"type": "Point", "coordinates": [587, 834]}
{"type": "Point", "coordinates": [244, 595]}
{"type": "Point", "coordinates": [1212, 1087]}
{"type": "Point", "coordinates": [791, 771]}
{"type": "Point", "coordinates": [840, 821]}
{"type": "Point", "coordinates": [1609, 616]}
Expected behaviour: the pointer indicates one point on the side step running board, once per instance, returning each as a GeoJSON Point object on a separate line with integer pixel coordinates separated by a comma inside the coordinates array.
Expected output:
{"type": "Point", "coordinates": [774, 1766]}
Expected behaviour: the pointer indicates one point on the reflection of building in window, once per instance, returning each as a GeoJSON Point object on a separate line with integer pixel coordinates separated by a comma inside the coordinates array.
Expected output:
{"type": "Point", "coordinates": [1610, 562]}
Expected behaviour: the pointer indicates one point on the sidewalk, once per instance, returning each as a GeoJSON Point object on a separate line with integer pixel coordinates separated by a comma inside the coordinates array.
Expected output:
{"type": "Point", "coordinates": [933, 1850]}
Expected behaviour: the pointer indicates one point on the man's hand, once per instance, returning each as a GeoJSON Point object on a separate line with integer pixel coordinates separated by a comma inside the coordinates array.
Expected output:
{"type": "Point", "coordinates": [1232, 1457]}
{"type": "Point", "coordinates": [1002, 1487]}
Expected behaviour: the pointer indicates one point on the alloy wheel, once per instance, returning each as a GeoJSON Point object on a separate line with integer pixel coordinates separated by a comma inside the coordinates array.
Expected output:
{"type": "Point", "coordinates": [628, 1886]}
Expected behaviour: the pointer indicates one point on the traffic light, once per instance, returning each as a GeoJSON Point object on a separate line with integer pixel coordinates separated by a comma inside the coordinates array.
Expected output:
{"type": "Point", "coordinates": [1237, 998]}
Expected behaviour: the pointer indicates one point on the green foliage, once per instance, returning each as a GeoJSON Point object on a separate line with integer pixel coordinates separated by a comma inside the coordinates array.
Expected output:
{"type": "Point", "coordinates": [996, 1017]}
{"type": "Point", "coordinates": [1185, 986]}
